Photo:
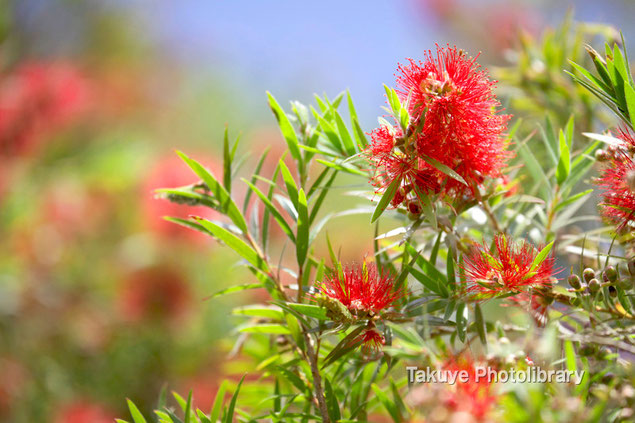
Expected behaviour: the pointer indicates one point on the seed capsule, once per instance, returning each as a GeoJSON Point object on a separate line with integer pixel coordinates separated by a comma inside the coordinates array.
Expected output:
{"type": "Point", "coordinates": [594, 286]}
{"type": "Point", "coordinates": [588, 274]}
{"type": "Point", "coordinates": [574, 281]}
{"type": "Point", "coordinates": [609, 274]}
{"type": "Point", "coordinates": [612, 291]}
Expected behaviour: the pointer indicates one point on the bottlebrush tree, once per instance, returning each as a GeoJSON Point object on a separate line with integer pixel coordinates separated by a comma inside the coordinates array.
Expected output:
{"type": "Point", "coordinates": [487, 252]}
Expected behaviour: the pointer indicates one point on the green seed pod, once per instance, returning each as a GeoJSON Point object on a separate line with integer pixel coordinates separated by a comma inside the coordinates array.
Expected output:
{"type": "Point", "coordinates": [574, 281]}
{"type": "Point", "coordinates": [588, 274]}
{"type": "Point", "coordinates": [610, 274]}
{"type": "Point", "coordinates": [594, 286]}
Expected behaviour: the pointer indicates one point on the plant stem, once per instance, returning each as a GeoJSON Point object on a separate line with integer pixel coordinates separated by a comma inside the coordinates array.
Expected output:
{"type": "Point", "coordinates": [317, 378]}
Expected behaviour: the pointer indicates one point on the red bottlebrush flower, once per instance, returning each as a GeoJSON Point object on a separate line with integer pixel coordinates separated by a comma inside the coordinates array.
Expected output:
{"type": "Point", "coordinates": [37, 99]}
{"type": "Point", "coordinates": [462, 128]}
{"type": "Point", "coordinates": [157, 293]}
{"type": "Point", "coordinates": [361, 289]}
{"type": "Point", "coordinates": [505, 269]}
{"type": "Point", "coordinates": [84, 411]}
{"type": "Point", "coordinates": [390, 164]}
{"type": "Point", "coordinates": [476, 396]}
{"type": "Point", "coordinates": [618, 182]}
{"type": "Point", "coordinates": [371, 340]}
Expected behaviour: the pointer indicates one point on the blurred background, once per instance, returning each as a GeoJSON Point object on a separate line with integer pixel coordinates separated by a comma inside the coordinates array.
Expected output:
{"type": "Point", "coordinates": [100, 299]}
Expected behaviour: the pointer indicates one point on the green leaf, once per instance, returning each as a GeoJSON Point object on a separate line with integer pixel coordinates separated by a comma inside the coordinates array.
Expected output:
{"type": "Point", "coordinates": [386, 199]}
{"type": "Point", "coordinates": [227, 166]}
{"type": "Point", "coordinates": [572, 199]}
{"type": "Point", "coordinates": [254, 177]}
{"type": "Point", "coordinates": [309, 310]}
{"type": "Point", "coordinates": [273, 210]}
{"type": "Point", "coordinates": [291, 377]}
{"type": "Point", "coordinates": [229, 417]}
{"type": "Point", "coordinates": [218, 402]}
{"type": "Point", "coordinates": [629, 92]}
{"type": "Point", "coordinates": [188, 409]}
{"type": "Point", "coordinates": [188, 224]}
{"type": "Point", "coordinates": [286, 128]}
{"type": "Point", "coordinates": [342, 167]}
{"type": "Point", "coordinates": [569, 355]}
{"type": "Point", "coordinates": [266, 328]}
{"type": "Point", "coordinates": [542, 255]}
{"type": "Point", "coordinates": [450, 270]}
{"type": "Point", "coordinates": [237, 288]}
{"type": "Point", "coordinates": [360, 137]}
{"type": "Point", "coordinates": [349, 145]}
{"type": "Point", "coordinates": [346, 345]}
{"type": "Point", "coordinates": [320, 199]}
{"type": "Point", "coordinates": [387, 403]}
{"type": "Point", "coordinates": [443, 168]}
{"type": "Point", "coordinates": [480, 324]}
{"type": "Point", "coordinates": [564, 162]}
{"type": "Point", "coordinates": [259, 311]}
{"type": "Point", "coordinates": [292, 188]}
{"type": "Point", "coordinates": [535, 169]}
{"type": "Point", "coordinates": [332, 403]}
{"type": "Point", "coordinates": [425, 200]}
{"type": "Point", "coordinates": [460, 321]}
{"type": "Point", "coordinates": [220, 193]}
{"type": "Point", "coordinates": [235, 243]}
{"type": "Point", "coordinates": [135, 413]}
{"type": "Point", "coordinates": [302, 239]}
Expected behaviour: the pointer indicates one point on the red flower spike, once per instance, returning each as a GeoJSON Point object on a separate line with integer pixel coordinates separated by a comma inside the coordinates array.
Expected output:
{"type": "Point", "coordinates": [618, 182]}
{"type": "Point", "coordinates": [371, 340]}
{"type": "Point", "coordinates": [392, 164]}
{"type": "Point", "coordinates": [505, 268]}
{"type": "Point", "coordinates": [462, 128]}
{"type": "Point", "coordinates": [361, 289]}
{"type": "Point", "coordinates": [476, 396]}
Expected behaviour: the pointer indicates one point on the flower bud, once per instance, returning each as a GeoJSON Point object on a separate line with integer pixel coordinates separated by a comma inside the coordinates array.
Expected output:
{"type": "Point", "coordinates": [594, 286]}
{"type": "Point", "coordinates": [609, 274]}
{"type": "Point", "coordinates": [574, 281]}
{"type": "Point", "coordinates": [588, 274]}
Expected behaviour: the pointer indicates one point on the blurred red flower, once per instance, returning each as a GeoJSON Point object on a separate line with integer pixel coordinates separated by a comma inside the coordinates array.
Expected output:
{"type": "Point", "coordinates": [505, 268]}
{"type": "Point", "coordinates": [37, 99]}
{"type": "Point", "coordinates": [618, 183]}
{"type": "Point", "coordinates": [476, 396]}
{"type": "Point", "coordinates": [361, 289]}
{"type": "Point", "coordinates": [155, 293]}
{"type": "Point", "coordinates": [452, 96]}
{"type": "Point", "coordinates": [171, 172]}
{"type": "Point", "coordinates": [82, 411]}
